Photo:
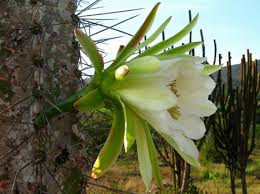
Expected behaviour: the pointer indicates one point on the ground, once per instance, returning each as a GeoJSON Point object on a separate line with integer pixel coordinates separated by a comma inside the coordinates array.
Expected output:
{"type": "Point", "coordinates": [211, 177]}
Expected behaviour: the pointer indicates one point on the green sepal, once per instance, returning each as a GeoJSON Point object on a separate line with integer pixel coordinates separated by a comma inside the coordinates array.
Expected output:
{"type": "Point", "coordinates": [112, 147]}
{"type": "Point", "coordinates": [154, 35]}
{"type": "Point", "coordinates": [209, 69]}
{"type": "Point", "coordinates": [106, 111]}
{"type": "Point", "coordinates": [129, 137]}
{"type": "Point", "coordinates": [183, 48]}
{"type": "Point", "coordinates": [153, 156]}
{"type": "Point", "coordinates": [177, 56]}
{"type": "Point", "coordinates": [91, 50]}
{"type": "Point", "coordinates": [130, 47]}
{"type": "Point", "coordinates": [144, 28]}
{"type": "Point", "coordinates": [145, 165]}
{"type": "Point", "coordinates": [121, 47]}
{"type": "Point", "coordinates": [64, 106]}
{"type": "Point", "coordinates": [146, 64]}
{"type": "Point", "coordinates": [90, 102]}
{"type": "Point", "coordinates": [172, 40]}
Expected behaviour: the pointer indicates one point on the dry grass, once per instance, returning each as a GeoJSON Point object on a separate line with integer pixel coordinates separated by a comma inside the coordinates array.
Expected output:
{"type": "Point", "coordinates": [212, 178]}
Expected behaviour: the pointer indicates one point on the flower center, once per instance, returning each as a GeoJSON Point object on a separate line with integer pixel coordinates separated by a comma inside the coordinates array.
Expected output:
{"type": "Point", "coordinates": [175, 112]}
{"type": "Point", "coordinates": [173, 88]}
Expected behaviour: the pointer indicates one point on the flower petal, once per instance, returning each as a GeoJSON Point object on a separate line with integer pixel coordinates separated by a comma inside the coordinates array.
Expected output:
{"type": "Point", "coordinates": [187, 85]}
{"type": "Point", "coordinates": [185, 147]}
{"type": "Point", "coordinates": [197, 106]}
{"type": "Point", "coordinates": [162, 122]}
{"type": "Point", "coordinates": [191, 126]}
{"type": "Point", "coordinates": [149, 97]}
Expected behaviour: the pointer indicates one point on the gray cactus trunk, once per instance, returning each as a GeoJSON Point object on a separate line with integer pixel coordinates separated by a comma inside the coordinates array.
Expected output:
{"type": "Point", "coordinates": [38, 66]}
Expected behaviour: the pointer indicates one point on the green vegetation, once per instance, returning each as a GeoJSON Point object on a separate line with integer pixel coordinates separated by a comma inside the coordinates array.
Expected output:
{"type": "Point", "coordinates": [211, 178]}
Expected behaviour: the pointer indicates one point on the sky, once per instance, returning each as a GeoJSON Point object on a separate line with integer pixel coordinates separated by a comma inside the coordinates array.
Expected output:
{"type": "Point", "coordinates": [235, 24]}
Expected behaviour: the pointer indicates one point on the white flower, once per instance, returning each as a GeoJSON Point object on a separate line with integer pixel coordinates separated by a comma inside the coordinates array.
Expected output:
{"type": "Point", "coordinates": [171, 99]}
{"type": "Point", "coordinates": [161, 88]}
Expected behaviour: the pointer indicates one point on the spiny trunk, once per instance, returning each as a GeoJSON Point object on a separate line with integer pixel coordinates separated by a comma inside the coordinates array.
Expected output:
{"type": "Point", "coordinates": [38, 66]}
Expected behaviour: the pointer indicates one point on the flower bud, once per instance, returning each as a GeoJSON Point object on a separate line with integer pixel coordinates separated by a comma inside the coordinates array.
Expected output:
{"type": "Point", "coordinates": [122, 72]}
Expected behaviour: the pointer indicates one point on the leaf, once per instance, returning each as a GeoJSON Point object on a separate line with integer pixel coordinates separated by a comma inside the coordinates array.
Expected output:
{"type": "Point", "coordinates": [145, 164]}
{"type": "Point", "coordinates": [90, 102]}
{"type": "Point", "coordinates": [209, 69]}
{"type": "Point", "coordinates": [91, 50]}
{"type": "Point", "coordinates": [153, 156]}
{"type": "Point", "coordinates": [72, 182]}
{"type": "Point", "coordinates": [129, 136]}
{"type": "Point", "coordinates": [154, 35]}
{"type": "Point", "coordinates": [183, 49]}
{"type": "Point", "coordinates": [112, 147]}
{"type": "Point", "coordinates": [172, 40]}
{"type": "Point", "coordinates": [130, 47]}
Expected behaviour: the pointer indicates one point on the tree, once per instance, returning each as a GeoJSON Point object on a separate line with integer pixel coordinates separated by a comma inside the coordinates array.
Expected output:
{"type": "Point", "coordinates": [38, 67]}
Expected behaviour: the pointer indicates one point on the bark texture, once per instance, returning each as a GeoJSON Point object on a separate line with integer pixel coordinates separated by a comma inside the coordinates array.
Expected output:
{"type": "Point", "coordinates": [38, 67]}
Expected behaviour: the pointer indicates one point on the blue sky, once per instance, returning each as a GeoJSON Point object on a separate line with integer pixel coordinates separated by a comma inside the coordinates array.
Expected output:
{"type": "Point", "coordinates": [235, 24]}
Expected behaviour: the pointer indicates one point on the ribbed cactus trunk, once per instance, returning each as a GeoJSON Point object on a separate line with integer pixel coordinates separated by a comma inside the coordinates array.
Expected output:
{"type": "Point", "coordinates": [38, 67]}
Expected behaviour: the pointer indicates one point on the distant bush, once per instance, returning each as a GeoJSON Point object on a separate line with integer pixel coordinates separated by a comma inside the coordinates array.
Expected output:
{"type": "Point", "coordinates": [213, 175]}
{"type": "Point", "coordinates": [209, 151]}
{"type": "Point", "coordinates": [192, 188]}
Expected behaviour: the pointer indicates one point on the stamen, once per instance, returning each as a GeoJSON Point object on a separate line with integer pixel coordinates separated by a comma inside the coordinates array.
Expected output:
{"type": "Point", "coordinates": [174, 88]}
{"type": "Point", "coordinates": [175, 112]}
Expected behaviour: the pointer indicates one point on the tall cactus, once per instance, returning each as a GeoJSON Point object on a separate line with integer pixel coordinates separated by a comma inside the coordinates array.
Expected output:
{"type": "Point", "coordinates": [39, 67]}
{"type": "Point", "coordinates": [235, 120]}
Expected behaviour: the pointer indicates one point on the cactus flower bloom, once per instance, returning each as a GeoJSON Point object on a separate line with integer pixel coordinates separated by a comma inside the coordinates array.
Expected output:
{"type": "Point", "coordinates": [172, 100]}
{"type": "Point", "coordinates": [167, 91]}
